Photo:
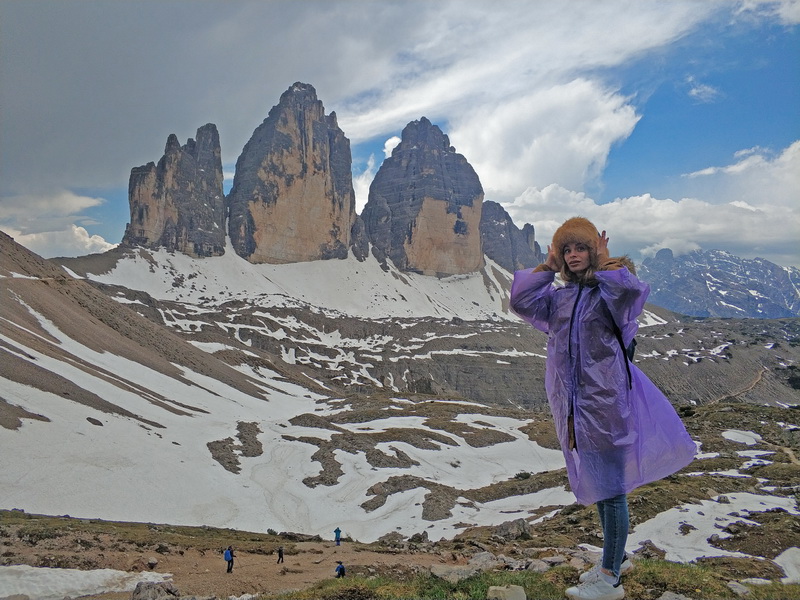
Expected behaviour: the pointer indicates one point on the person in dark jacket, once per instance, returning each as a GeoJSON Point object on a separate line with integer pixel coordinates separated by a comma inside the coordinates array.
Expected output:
{"type": "Point", "coordinates": [616, 429]}
{"type": "Point", "coordinates": [339, 569]}
{"type": "Point", "coordinates": [280, 554]}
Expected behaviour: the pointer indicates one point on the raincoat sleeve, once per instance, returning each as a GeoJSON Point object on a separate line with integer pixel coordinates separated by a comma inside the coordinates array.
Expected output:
{"type": "Point", "coordinates": [532, 295]}
{"type": "Point", "coordinates": [624, 296]}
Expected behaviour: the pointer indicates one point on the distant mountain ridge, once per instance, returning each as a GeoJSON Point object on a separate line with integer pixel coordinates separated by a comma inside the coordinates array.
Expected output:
{"type": "Point", "coordinates": [715, 283]}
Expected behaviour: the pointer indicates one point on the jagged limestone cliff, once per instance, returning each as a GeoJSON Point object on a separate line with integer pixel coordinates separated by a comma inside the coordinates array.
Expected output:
{"type": "Point", "coordinates": [292, 198]}
{"type": "Point", "coordinates": [505, 243]}
{"type": "Point", "coordinates": [424, 206]}
{"type": "Point", "coordinates": [179, 204]}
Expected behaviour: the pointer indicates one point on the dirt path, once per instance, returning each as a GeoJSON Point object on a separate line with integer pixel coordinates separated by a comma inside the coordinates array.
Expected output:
{"type": "Point", "coordinates": [204, 574]}
{"type": "Point", "coordinates": [746, 389]}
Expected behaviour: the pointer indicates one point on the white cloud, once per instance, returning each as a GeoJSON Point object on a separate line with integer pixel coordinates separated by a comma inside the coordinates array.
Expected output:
{"type": "Point", "coordinates": [485, 58]}
{"type": "Point", "coordinates": [72, 241]}
{"type": "Point", "coordinates": [787, 11]}
{"type": "Point", "coordinates": [390, 145]}
{"type": "Point", "coordinates": [30, 208]}
{"type": "Point", "coordinates": [760, 178]}
{"type": "Point", "coordinates": [749, 208]}
{"type": "Point", "coordinates": [362, 182]}
{"type": "Point", "coordinates": [559, 134]}
{"type": "Point", "coordinates": [52, 225]}
{"type": "Point", "coordinates": [702, 92]}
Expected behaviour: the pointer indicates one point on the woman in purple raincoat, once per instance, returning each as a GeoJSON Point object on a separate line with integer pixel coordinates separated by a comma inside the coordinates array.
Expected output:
{"type": "Point", "coordinates": [617, 430]}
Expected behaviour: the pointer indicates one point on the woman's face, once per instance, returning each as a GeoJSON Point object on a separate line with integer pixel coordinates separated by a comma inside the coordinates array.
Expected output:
{"type": "Point", "coordinates": [576, 257]}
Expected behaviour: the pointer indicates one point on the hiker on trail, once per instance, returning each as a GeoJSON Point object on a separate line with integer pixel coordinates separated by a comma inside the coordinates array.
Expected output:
{"type": "Point", "coordinates": [338, 534]}
{"type": "Point", "coordinates": [339, 569]}
{"type": "Point", "coordinates": [280, 554]}
{"type": "Point", "coordinates": [229, 556]}
{"type": "Point", "coordinates": [616, 429]}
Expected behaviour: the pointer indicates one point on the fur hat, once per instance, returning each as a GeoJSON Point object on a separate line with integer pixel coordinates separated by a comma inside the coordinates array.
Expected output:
{"type": "Point", "coordinates": [576, 230]}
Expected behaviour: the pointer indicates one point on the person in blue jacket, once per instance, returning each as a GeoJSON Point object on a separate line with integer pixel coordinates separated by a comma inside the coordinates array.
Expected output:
{"type": "Point", "coordinates": [339, 569]}
{"type": "Point", "coordinates": [616, 429]}
{"type": "Point", "coordinates": [229, 556]}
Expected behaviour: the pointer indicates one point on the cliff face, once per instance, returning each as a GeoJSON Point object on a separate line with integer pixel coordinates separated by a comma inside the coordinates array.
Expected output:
{"type": "Point", "coordinates": [505, 243]}
{"type": "Point", "coordinates": [292, 198]}
{"type": "Point", "coordinates": [179, 203]}
{"type": "Point", "coordinates": [424, 206]}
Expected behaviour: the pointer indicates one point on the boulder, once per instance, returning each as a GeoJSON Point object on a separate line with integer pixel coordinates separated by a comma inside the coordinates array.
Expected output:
{"type": "Point", "coordinates": [484, 561]}
{"type": "Point", "coordinates": [506, 592]}
{"type": "Point", "coordinates": [148, 590]}
{"type": "Point", "coordinates": [538, 566]}
{"type": "Point", "coordinates": [513, 530]}
{"type": "Point", "coordinates": [453, 574]}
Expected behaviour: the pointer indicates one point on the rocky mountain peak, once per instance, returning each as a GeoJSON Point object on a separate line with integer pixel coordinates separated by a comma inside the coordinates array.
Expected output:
{"type": "Point", "coordinates": [179, 203]}
{"type": "Point", "coordinates": [292, 198]}
{"type": "Point", "coordinates": [505, 243]}
{"type": "Point", "coordinates": [423, 133]}
{"type": "Point", "coordinates": [424, 206]}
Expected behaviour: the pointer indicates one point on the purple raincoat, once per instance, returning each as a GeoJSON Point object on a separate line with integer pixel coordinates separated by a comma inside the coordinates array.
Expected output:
{"type": "Point", "coordinates": [626, 432]}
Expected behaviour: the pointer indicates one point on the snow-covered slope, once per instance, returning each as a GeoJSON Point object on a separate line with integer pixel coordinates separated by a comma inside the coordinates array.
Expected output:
{"type": "Point", "coordinates": [85, 462]}
{"type": "Point", "coordinates": [359, 289]}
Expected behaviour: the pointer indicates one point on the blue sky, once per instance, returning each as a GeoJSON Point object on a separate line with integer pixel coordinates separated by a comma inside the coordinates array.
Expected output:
{"type": "Point", "coordinates": [747, 94]}
{"type": "Point", "coordinates": [670, 124]}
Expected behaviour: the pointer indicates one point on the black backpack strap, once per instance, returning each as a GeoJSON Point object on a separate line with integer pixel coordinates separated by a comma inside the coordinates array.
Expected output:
{"type": "Point", "coordinates": [627, 352]}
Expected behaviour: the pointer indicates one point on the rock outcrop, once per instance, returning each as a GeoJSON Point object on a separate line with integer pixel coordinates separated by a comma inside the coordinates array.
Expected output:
{"type": "Point", "coordinates": [504, 243]}
{"type": "Point", "coordinates": [424, 206]}
{"type": "Point", "coordinates": [292, 198]}
{"type": "Point", "coordinates": [179, 204]}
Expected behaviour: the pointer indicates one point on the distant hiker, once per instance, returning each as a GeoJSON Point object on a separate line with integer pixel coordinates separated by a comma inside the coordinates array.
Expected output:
{"type": "Point", "coordinates": [339, 569]}
{"type": "Point", "coordinates": [280, 554]}
{"type": "Point", "coordinates": [616, 429]}
{"type": "Point", "coordinates": [338, 533]}
{"type": "Point", "coordinates": [229, 556]}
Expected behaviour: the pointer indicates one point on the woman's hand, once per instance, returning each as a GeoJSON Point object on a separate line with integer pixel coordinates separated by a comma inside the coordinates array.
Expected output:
{"type": "Point", "coordinates": [602, 247]}
{"type": "Point", "coordinates": [551, 262]}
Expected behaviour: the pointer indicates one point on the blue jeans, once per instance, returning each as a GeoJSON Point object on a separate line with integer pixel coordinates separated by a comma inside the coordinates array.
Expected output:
{"type": "Point", "coordinates": [615, 521]}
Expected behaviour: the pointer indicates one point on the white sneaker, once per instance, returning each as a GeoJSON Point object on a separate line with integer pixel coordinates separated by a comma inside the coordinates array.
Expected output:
{"type": "Point", "coordinates": [594, 572]}
{"type": "Point", "coordinates": [596, 590]}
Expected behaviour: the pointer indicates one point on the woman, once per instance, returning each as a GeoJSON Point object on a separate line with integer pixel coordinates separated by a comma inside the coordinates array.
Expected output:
{"type": "Point", "coordinates": [617, 430]}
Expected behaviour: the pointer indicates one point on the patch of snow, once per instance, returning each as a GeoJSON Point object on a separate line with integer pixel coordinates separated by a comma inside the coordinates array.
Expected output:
{"type": "Point", "coordinates": [72, 273]}
{"type": "Point", "coordinates": [124, 300]}
{"type": "Point", "coordinates": [789, 561]}
{"type": "Point", "coordinates": [55, 584]}
{"type": "Point", "coordinates": [683, 532]}
{"type": "Point", "coordinates": [742, 437]}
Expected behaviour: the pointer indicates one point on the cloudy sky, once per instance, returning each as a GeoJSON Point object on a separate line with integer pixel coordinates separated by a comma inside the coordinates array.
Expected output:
{"type": "Point", "coordinates": [670, 124]}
